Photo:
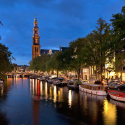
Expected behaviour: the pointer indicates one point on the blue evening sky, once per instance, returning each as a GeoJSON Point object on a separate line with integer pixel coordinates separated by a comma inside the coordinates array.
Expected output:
{"type": "Point", "coordinates": [59, 21]}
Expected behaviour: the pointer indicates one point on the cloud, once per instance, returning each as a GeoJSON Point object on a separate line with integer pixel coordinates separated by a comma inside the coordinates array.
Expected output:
{"type": "Point", "coordinates": [59, 21]}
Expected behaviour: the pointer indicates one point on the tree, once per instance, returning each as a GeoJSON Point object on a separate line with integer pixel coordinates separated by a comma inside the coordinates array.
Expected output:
{"type": "Point", "coordinates": [72, 57]}
{"type": "Point", "coordinates": [39, 63]}
{"type": "Point", "coordinates": [98, 47]}
{"type": "Point", "coordinates": [2, 25]}
{"type": "Point", "coordinates": [103, 44]}
{"type": "Point", "coordinates": [54, 63]}
{"type": "Point", "coordinates": [118, 24]}
{"type": "Point", "coordinates": [5, 58]}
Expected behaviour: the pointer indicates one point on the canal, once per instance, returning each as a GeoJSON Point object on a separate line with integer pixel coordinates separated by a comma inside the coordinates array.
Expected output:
{"type": "Point", "coordinates": [26, 101]}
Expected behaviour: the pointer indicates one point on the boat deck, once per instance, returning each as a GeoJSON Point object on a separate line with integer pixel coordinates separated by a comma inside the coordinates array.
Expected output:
{"type": "Point", "coordinates": [117, 95]}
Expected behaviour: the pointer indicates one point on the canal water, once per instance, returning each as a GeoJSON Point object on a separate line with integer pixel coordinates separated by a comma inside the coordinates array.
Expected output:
{"type": "Point", "coordinates": [26, 101]}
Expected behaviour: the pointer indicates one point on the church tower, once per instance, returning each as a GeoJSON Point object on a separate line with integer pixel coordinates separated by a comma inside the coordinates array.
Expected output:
{"type": "Point", "coordinates": [36, 45]}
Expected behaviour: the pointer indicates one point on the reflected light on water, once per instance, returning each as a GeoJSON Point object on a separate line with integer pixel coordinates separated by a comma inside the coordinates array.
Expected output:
{"type": "Point", "coordinates": [41, 88]}
{"type": "Point", "coordinates": [46, 91]}
{"type": "Point", "coordinates": [50, 90]}
{"type": "Point", "coordinates": [2, 91]}
{"type": "Point", "coordinates": [60, 95]}
{"type": "Point", "coordinates": [38, 89]}
{"type": "Point", "coordinates": [109, 113]}
{"type": "Point", "coordinates": [70, 98]}
{"type": "Point", "coordinates": [54, 94]}
{"type": "Point", "coordinates": [33, 85]}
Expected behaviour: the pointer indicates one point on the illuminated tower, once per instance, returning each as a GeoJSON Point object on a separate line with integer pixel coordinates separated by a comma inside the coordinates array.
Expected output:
{"type": "Point", "coordinates": [35, 46]}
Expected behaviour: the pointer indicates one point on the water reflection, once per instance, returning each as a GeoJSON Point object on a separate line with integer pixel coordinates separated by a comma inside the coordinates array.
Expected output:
{"type": "Point", "coordinates": [46, 91]}
{"type": "Point", "coordinates": [117, 103]}
{"type": "Point", "coordinates": [41, 89]}
{"type": "Point", "coordinates": [54, 94]}
{"type": "Point", "coordinates": [34, 102]}
{"type": "Point", "coordinates": [109, 113]}
{"type": "Point", "coordinates": [70, 98]}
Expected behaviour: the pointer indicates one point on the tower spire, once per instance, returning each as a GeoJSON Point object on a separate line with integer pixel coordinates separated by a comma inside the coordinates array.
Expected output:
{"type": "Point", "coordinates": [36, 45]}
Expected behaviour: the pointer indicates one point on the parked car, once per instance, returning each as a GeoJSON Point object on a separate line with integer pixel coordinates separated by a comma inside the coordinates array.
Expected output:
{"type": "Point", "coordinates": [113, 85]}
{"type": "Point", "coordinates": [98, 82]}
{"type": "Point", "coordinates": [113, 81]}
{"type": "Point", "coordinates": [121, 87]}
{"type": "Point", "coordinates": [61, 79]}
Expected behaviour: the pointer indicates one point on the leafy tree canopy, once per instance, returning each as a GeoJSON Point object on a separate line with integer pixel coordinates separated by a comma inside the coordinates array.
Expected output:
{"type": "Point", "coordinates": [39, 63]}
{"type": "Point", "coordinates": [5, 58]}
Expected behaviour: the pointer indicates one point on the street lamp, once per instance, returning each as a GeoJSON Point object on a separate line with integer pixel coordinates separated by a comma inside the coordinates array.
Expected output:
{"type": "Point", "coordinates": [109, 69]}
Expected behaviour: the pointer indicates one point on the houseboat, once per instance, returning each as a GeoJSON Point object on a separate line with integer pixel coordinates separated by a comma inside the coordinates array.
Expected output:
{"type": "Point", "coordinates": [92, 88]}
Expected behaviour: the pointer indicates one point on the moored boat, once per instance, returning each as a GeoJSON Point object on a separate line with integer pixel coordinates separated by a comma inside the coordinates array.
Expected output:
{"type": "Point", "coordinates": [117, 95]}
{"type": "Point", "coordinates": [92, 88]}
{"type": "Point", "coordinates": [42, 79]}
{"type": "Point", "coordinates": [55, 82]}
{"type": "Point", "coordinates": [73, 85]}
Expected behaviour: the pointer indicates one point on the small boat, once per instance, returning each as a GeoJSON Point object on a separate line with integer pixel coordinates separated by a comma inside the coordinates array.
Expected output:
{"type": "Point", "coordinates": [33, 77]}
{"type": "Point", "coordinates": [65, 82]}
{"type": "Point", "coordinates": [55, 82]}
{"type": "Point", "coordinates": [92, 89]}
{"type": "Point", "coordinates": [73, 85]}
{"type": "Point", "coordinates": [50, 80]}
{"type": "Point", "coordinates": [42, 79]}
{"type": "Point", "coordinates": [117, 95]}
{"type": "Point", "coordinates": [58, 83]}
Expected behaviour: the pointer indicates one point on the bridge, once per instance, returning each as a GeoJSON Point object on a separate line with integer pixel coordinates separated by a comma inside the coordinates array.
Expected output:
{"type": "Point", "coordinates": [20, 74]}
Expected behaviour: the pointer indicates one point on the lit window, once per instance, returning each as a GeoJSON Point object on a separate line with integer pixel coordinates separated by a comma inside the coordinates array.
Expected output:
{"type": "Point", "coordinates": [84, 70]}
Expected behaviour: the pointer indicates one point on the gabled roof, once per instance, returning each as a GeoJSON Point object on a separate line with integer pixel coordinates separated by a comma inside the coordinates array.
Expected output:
{"type": "Point", "coordinates": [63, 48]}
{"type": "Point", "coordinates": [50, 51]}
{"type": "Point", "coordinates": [54, 51]}
{"type": "Point", "coordinates": [46, 51]}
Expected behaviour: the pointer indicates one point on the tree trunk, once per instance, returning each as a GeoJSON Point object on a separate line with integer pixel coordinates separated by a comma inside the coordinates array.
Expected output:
{"type": "Point", "coordinates": [57, 73]}
{"type": "Point", "coordinates": [78, 73]}
{"type": "Point", "coordinates": [96, 74]}
{"type": "Point", "coordinates": [101, 72]}
{"type": "Point", "coordinates": [121, 73]}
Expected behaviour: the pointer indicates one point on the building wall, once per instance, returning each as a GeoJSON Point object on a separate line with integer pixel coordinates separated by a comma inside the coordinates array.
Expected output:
{"type": "Point", "coordinates": [35, 51]}
{"type": "Point", "coordinates": [85, 73]}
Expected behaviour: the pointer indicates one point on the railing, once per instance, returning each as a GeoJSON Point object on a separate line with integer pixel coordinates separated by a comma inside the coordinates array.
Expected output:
{"type": "Point", "coordinates": [92, 86]}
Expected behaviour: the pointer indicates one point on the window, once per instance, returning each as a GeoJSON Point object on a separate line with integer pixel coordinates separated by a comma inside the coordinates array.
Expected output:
{"type": "Point", "coordinates": [85, 70]}
{"type": "Point", "coordinates": [35, 31]}
{"type": "Point", "coordinates": [36, 41]}
{"type": "Point", "coordinates": [36, 49]}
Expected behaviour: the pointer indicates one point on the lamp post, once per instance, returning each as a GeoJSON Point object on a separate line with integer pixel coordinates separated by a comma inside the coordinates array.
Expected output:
{"type": "Point", "coordinates": [109, 69]}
